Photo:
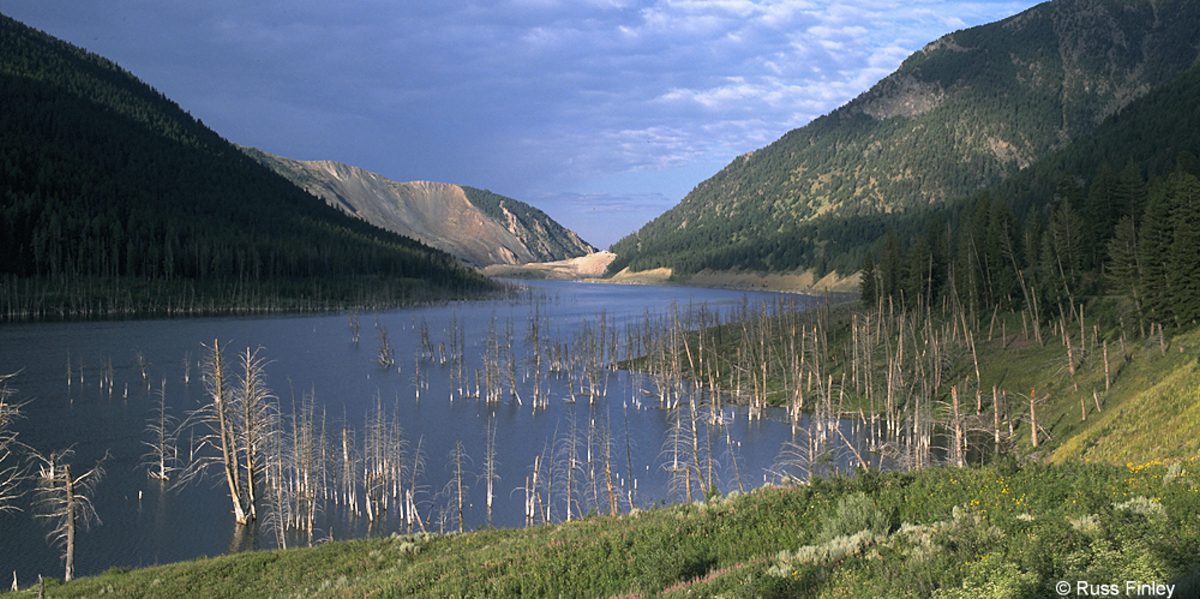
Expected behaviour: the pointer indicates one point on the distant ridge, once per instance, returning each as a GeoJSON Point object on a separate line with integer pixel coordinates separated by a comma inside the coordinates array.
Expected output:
{"type": "Point", "coordinates": [478, 226]}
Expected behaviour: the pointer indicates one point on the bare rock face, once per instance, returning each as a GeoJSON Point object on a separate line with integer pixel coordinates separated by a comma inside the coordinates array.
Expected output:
{"type": "Point", "coordinates": [902, 96]}
{"type": "Point", "coordinates": [477, 226]}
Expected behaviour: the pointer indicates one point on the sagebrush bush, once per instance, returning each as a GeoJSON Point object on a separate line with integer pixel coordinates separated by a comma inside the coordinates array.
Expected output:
{"type": "Point", "coordinates": [854, 513]}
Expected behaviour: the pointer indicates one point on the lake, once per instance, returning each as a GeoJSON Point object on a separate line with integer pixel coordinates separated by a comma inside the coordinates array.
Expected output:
{"type": "Point", "coordinates": [145, 522]}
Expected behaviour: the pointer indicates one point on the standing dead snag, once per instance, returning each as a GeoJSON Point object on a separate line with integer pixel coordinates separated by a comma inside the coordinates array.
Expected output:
{"type": "Point", "coordinates": [490, 465]}
{"type": "Point", "coordinates": [11, 473]}
{"type": "Point", "coordinates": [160, 458]}
{"type": "Point", "coordinates": [237, 420]}
{"type": "Point", "coordinates": [958, 452]}
{"type": "Point", "coordinates": [385, 356]}
{"type": "Point", "coordinates": [1033, 429]}
{"type": "Point", "coordinates": [216, 416]}
{"type": "Point", "coordinates": [458, 457]}
{"type": "Point", "coordinates": [256, 410]}
{"type": "Point", "coordinates": [65, 501]}
{"type": "Point", "coordinates": [355, 328]}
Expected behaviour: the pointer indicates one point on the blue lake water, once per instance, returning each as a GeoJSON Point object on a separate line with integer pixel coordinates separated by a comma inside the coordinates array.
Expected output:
{"type": "Point", "coordinates": [144, 523]}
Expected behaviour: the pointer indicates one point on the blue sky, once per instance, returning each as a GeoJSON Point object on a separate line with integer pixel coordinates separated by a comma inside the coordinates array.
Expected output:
{"type": "Point", "coordinates": [604, 113]}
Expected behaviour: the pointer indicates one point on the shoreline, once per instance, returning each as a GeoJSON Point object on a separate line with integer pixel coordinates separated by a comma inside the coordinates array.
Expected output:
{"type": "Point", "coordinates": [592, 268]}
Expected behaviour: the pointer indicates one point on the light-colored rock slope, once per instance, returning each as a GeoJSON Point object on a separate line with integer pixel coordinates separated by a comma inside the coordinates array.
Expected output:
{"type": "Point", "coordinates": [582, 267]}
{"type": "Point", "coordinates": [477, 226]}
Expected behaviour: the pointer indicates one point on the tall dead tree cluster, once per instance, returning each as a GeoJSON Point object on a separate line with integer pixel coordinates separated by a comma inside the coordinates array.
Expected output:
{"type": "Point", "coordinates": [11, 472]}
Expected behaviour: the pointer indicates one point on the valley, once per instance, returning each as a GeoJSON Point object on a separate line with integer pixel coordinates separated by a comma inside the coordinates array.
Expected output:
{"type": "Point", "coordinates": [934, 331]}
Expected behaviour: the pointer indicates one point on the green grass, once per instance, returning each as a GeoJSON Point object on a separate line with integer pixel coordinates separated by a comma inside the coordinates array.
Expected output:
{"type": "Point", "coordinates": [997, 531]}
{"type": "Point", "coordinates": [1150, 412]}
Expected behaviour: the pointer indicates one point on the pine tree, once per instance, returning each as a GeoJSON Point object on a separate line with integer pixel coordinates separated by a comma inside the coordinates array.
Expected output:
{"type": "Point", "coordinates": [1101, 211]}
{"type": "Point", "coordinates": [1183, 264]}
{"type": "Point", "coordinates": [868, 289]}
{"type": "Point", "coordinates": [1130, 192]}
{"type": "Point", "coordinates": [1154, 246]}
{"type": "Point", "coordinates": [1123, 272]}
{"type": "Point", "coordinates": [999, 236]}
{"type": "Point", "coordinates": [890, 270]}
{"type": "Point", "coordinates": [918, 271]}
{"type": "Point", "coordinates": [1062, 255]}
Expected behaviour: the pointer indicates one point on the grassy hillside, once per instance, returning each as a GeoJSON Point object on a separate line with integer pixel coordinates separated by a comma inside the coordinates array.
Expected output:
{"type": "Point", "coordinates": [998, 531]}
{"type": "Point", "coordinates": [115, 201]}
{"type": "Point", "coordinates": [962, 114]}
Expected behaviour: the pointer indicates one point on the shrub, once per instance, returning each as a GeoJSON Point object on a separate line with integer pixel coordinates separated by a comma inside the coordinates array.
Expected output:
{"type": "Point", "coordinates": [854, 513]}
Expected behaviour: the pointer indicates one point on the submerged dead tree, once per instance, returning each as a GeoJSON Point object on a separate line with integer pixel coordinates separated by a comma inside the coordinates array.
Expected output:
{"type": "Point", "coordinates": [236, 422]}
{"type": "Point", "coordinates": [457, 487]}
{"type": "Point", "coordinates": [490, 466]}
{"type": "Point", "coordinates": [65, 501]}
{"type": "Point", "coordinates": [217, 446]}
{"type": "Point", "coordinates": [386, 356]}
{"type": "Point", "coordinates": [161, 456]}
{"type": "Point", "coordinates": [11, 472]}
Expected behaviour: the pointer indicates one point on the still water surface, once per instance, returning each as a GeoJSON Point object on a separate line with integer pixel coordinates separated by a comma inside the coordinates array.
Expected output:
{"type": "Point", "coordinates": [144, 523]}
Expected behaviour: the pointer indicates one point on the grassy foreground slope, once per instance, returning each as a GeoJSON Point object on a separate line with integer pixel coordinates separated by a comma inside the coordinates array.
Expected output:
{"type": "Point", "coordinates": [996, 531]}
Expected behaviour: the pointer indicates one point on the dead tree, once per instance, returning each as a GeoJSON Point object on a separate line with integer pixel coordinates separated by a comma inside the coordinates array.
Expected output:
{"type": "Point", "coordinates": [162, 428]}
{"type": "Point", "coordinates": [255, 411]}
{"type": "Point", "coordinates": [490, 476]}
{"type": "Point", "coordinates": [1033, 425]}
{"type": "Point", "coordinates": [570, 466]}
{"type": "Point", "coordinates": [412, 513]}
{"type": "Point", "coordinates": [187, 368]}
{"type": "Point", "coordinates": [237, 421]}
{"type": "Point", "coordinates": [65, 501]}
{"type": "Point", "coordinates": [458, 459]}
{"type": "Point", "coordinates": [678, 463]}
{"type": "Point", "coordinates": [217, 447]}
{"type": "Point", "coordinates": [355, 328]}
{"type": "Point", "coordinates": [11, 472]}
{"type": "Point", "coordinates": [143, 366]}
{"type": "Point", "coordinates": [386, 357]}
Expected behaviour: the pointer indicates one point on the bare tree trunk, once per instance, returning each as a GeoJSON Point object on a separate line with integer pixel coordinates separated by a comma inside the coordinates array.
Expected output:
{"type": "Point", "coordinates": [1033, 427]}
{"type": "Point", "coordinates": [489, 467]}
{"type": "Point", "coordinates": [69, 522]}
{"type": "Point", "coordinates": [958, 429]}
{"type": "Point", "coordinates": [996, 419]}
{"type": "Point", "coordinates": [220, 402]}
{"type": "Point", "coordinates": [458, 481]}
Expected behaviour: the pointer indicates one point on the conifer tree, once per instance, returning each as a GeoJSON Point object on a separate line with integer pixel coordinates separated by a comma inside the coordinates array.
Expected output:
{"type": "Point", "coordinates": [1183, 264]}
{"type": "Point", "coordinates": [1123, 272]}
{"type": "Point", "coordinates": [868, 287]}
{"type": "Point", "coordinates": [1154, 246]}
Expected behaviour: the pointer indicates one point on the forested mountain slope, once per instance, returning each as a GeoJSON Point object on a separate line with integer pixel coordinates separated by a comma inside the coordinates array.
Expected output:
{"type": "Point", "coordinates": [115, 200]}
{"type": "Point", "coordinates": [1113, 216]}
{"type": "Point", "coordinates": [477, 226]}
{"type": "Point", "coordinates": [964, 113]}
